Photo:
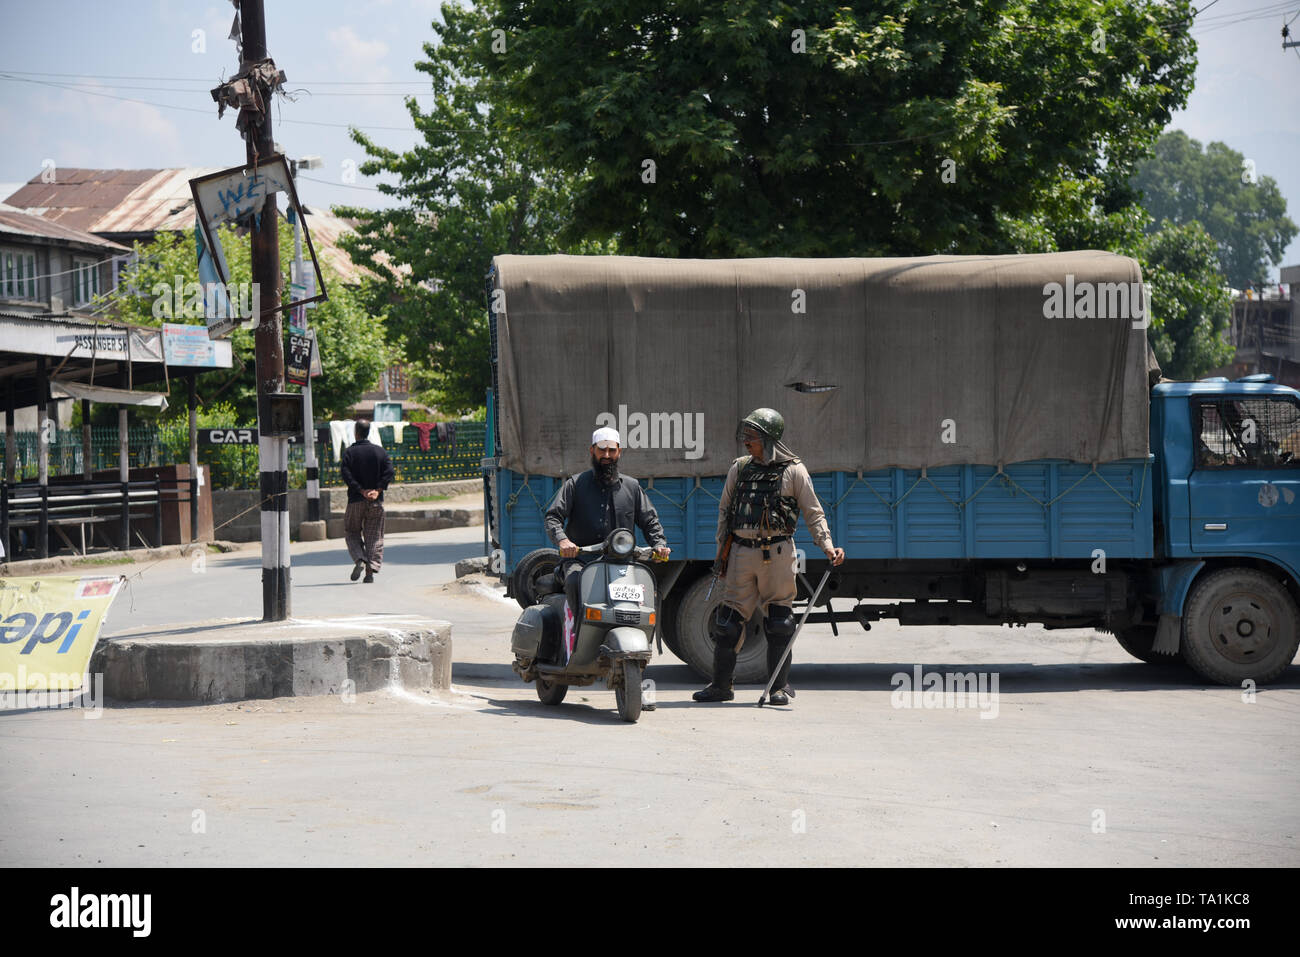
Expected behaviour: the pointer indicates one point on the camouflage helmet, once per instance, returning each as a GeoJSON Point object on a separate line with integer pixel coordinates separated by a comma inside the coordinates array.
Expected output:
{"type": "Point", "coordinates": [766, 421]}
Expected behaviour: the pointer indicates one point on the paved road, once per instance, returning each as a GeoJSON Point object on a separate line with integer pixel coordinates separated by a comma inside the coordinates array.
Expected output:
{"type": "Point", "coordinates": [1092, 759]}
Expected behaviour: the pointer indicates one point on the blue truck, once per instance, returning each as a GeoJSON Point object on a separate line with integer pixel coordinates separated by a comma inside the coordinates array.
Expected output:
{"type": "Point", "coordinates": [1164, 513]}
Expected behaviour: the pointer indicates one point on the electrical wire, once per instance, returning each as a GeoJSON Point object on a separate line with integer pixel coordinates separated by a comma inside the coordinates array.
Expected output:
{"type": "Point", "coordinates": [194, 109]}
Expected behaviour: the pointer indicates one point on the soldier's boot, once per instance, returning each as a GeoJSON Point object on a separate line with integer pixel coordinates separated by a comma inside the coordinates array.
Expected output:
{"type": "Point", "coordinates": [726, 631]}
{"type": "Point", "coordinates": [779, 627]}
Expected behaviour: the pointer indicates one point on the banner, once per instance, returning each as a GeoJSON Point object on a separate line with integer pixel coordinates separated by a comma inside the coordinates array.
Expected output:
{"type": "Point", "coordinates": [48, 630]}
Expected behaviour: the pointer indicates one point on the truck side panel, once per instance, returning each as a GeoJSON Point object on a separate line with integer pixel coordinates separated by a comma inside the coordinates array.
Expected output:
{"type": "Point", "coordinates": [1032, 510]}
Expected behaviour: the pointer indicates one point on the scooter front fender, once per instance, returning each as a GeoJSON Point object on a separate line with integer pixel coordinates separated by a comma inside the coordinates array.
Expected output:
{"type": "Point", "coordinates": [623, 642]}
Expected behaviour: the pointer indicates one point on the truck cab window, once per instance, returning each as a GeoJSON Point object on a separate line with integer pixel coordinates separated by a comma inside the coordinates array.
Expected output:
{"type": "Point", "coordinates": [1248, 433]}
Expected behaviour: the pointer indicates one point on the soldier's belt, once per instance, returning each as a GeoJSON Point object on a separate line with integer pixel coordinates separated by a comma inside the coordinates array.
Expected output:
{"type": "Point", "coordinates": [761, 542]}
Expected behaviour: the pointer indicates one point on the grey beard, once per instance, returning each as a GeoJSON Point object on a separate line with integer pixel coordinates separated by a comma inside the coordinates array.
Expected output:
{"type": "Point", "coordinates": [608, 474]}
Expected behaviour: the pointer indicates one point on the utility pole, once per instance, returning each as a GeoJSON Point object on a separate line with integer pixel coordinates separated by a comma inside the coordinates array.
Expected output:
{"type": "Point", "coordinates": [308, 423]}
{"type": "Point", "coordinates": [272, 451]}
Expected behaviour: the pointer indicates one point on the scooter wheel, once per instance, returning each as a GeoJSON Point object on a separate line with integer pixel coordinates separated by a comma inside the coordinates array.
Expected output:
{"type": "Point", "coordinates": [551, 692]}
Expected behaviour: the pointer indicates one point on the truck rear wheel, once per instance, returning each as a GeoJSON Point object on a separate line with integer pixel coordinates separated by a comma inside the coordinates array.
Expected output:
{"type": "Point", "coordinates": [694, 618]}
{"type": "Point", "coordinates": [1240, 625]}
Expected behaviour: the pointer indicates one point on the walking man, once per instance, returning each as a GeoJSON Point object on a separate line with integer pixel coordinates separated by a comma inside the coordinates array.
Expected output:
{"type": "Point", "coordinates": [762, 498]}
{"type": "Point", "coordinates": [366, 470]}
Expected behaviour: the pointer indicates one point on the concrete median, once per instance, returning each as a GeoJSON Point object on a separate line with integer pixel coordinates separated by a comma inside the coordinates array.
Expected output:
{"type": "Point", "coordinates": [230, 660]}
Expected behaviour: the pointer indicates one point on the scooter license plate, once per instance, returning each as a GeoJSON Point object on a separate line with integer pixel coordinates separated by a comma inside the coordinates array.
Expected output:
{"type": "Point", "coordinates": [623, 592]}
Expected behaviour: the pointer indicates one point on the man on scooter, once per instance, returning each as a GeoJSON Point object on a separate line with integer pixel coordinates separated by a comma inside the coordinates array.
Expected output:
{"type": "Point", "coordinates": [588, 507]}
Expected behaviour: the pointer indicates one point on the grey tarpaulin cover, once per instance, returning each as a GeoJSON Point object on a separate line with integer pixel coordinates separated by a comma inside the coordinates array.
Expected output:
{"type": "Point", "coordinates": [919, 351]}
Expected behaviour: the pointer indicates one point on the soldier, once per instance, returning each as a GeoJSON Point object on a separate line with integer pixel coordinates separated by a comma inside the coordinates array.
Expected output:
{"type": "Point", "coordinates": [764, 493]}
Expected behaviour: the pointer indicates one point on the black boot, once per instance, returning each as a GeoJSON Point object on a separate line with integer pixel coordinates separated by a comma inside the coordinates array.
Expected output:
{"type": "Point", "coordinates": [781, 686]}
{"type": "Point", "coordinates": [724, 669]}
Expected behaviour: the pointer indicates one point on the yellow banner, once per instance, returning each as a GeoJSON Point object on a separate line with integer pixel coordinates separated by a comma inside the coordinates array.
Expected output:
{"type": "Point", "coordinates": [48, 630]}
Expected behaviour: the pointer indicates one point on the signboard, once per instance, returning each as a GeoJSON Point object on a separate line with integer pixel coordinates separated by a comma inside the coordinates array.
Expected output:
{"type": "Point", "coordinates": [188, 346]}
{"type": "Point", "coordinates": [298, 361]}
{"type": "Point", "coordinates": [234, 437]}
{"type": "Point", "coordinates": [48, 630]}
{"type": "Point", "coordinates": [90, 340]}
{"type": "Point", "coordinates": [237, 195]}
{"type": "Point", "coordinates": [315, 355]}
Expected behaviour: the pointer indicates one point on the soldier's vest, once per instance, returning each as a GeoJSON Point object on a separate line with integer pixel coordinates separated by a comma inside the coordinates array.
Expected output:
{"type": "Point", "coordinates": [757, 501]}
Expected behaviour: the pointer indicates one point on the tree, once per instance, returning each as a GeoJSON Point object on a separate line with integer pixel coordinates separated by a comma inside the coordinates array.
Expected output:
{"type": "Point", "coordinates": [468, 194]}
{"type": "Point", "coordinates": [158, 288]}
{"type": "Point", "coordinates": [1190, 305]}
{"type": "Point", "coordinates": [824, 128]}
{"type": "Point", "coordinates": [1221, 190]}
{"type": "Point", "coordinates": [902, 127]}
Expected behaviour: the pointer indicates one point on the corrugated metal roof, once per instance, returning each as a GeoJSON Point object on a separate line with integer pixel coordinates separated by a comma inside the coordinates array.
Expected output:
{"type": "Point", "coordinates": [79, 197]}
{"type": "Point", "coordinates": [16, 223]}
{"type": "Point", "coordinates": [145, 201]}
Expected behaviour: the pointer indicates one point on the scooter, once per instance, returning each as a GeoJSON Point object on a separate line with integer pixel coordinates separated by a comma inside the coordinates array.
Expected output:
{"type": "Point", "coordinates": [615, 622]}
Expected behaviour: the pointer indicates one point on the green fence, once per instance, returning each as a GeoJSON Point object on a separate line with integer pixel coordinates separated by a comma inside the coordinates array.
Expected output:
{"type": "Point", "coordinates": [236, 466]}
{"type": "Point", "coordinates": [458, 458]}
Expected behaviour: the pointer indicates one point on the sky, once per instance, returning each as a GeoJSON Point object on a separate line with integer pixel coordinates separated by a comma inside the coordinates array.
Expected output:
{"type": "Point", "coordinates": [125, 85]}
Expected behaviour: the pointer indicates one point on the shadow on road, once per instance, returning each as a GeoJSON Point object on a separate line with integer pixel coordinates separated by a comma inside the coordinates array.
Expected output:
{"type": "Point", "coordinates": [397, 553]}
{"type": "Point", "coordinates": [1013, 677]}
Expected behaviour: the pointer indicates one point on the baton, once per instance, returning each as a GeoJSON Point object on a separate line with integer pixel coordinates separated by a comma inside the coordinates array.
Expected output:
{"type": "Point", "coordinates": [798, 628]}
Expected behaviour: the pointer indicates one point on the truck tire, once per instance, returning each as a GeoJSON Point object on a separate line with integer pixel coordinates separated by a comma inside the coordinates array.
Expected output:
{"type": "Point", "coordinates": [672, 604]}
{"type": "Point", "coordinates": [694, 618]}
{"type": "Point", "coordinates": [1240, 625]}
{"type": "Point", "coordinates": [526, 580]}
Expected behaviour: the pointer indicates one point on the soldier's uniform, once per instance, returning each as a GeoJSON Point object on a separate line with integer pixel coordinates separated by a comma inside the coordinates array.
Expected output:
{"type": "Point", "coordinates": [761, 503]}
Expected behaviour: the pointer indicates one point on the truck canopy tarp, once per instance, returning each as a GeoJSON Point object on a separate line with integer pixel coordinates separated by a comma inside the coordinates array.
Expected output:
{"type": "Point", "coordinates": [942, 360]}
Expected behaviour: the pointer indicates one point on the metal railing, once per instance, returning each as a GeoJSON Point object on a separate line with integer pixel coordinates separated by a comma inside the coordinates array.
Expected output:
{"type": "Point", "coordinates": [236, 466]}
{"type": "Point", "coordinates": [54, 507]}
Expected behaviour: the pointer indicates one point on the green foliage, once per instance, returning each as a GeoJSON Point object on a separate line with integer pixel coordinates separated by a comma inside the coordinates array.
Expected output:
{"type": "Point", "coordinates": [760, 149]}
{"type": "Point", "coordinates": [352, 341]}
{"type": "Point", "coordinates": [1244, 212]}
{"type": "Point", "coordinates": [1190, 303]}
{"type": "Point", "coordinates": [1191, 306]}
{"type": "Point", "coordinates": [468, 194]}
{"type": "Point", "coordinates": [824, 128]}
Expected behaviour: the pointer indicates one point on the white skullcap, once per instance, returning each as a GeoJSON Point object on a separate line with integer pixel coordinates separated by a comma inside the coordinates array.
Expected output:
{"type": "Point", "coordinates": [605, 435]}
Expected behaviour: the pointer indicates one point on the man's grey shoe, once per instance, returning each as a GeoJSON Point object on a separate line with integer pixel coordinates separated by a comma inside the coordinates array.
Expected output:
{"type": "Point", "coordinates": [356, 572]}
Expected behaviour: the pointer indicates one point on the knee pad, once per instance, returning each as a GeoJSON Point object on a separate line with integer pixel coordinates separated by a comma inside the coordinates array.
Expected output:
{"type": "Point", "coordinates": [727, 625]}
{"type": "Point", "coordinates": [780, 622]}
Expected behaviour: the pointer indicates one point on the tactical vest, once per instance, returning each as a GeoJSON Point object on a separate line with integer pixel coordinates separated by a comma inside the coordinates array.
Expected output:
{"type": "Point", "coordinates": [758, 503]}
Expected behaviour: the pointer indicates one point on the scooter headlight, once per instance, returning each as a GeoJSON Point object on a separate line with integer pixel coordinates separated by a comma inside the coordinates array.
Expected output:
{"type": "Point", "coordinates": [621, 542]}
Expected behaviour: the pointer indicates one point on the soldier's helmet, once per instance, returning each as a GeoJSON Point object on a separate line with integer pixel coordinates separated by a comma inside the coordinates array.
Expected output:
{"type": "Point", "coordinates": [767, 421]}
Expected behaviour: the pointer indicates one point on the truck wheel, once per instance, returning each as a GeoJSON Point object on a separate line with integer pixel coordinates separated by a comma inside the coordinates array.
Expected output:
{"type": "Point", "coordinates": [1239, 625]}
{"type": "Point", "coordinates": [694, 618]}
{"type": "Point", "coordinates": [668, 614]}
{"type": "Point", "coordinates": [526, 581]}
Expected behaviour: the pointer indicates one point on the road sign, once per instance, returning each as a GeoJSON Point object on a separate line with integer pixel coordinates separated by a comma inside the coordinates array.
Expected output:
{"type": "Point", "coordinates": [234, 437]}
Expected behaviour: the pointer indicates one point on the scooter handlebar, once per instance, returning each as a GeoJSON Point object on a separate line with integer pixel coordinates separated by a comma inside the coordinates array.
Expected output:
{"type": "Point", "coordinates": [640, 554]}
